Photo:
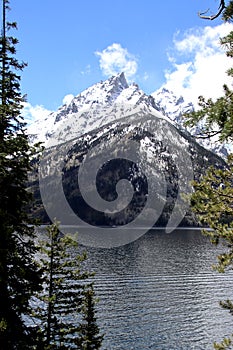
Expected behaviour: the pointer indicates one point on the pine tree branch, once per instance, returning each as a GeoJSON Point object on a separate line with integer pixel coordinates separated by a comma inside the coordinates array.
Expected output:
{"type": "Point", "coordinates": [222, 195]}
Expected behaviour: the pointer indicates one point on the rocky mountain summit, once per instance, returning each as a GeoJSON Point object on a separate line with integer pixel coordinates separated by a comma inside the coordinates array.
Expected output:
{"type": "Point", "coordinates": [111, 100]}
{"type": "Point", "coordinates": [114, 157]}
{"type": "Point", "coordinates": [175, 107]}
{"type": "Point", "coordinates": [96, 106]}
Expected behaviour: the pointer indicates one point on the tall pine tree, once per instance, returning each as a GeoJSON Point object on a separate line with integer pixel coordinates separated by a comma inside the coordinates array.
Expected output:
{"type": "Point", "coordinates": [89, 338]}
{"type": "Point", "coordinates": [65, 309]}
{"type": "Point", "coordinates": [19, 276]}
{"type": "Point", "coordinates": [213, 196]}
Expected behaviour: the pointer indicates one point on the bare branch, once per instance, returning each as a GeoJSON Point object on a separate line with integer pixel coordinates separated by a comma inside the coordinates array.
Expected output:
{"type": "Point", "coordinates": [221, 7]}
{"type": "Point", "coordinates": [208, 134]}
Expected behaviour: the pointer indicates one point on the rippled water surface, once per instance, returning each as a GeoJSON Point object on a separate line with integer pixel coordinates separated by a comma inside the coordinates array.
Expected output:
{"type": "Point", "coordinates": [160, 292]}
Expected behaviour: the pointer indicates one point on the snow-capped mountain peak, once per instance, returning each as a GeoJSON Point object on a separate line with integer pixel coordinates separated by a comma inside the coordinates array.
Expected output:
{"type": "Point", "coordinates": [109, 101]}
{"type": "Point", "coordinates": [175, 107]}
{"type": "Point", "coordinates": [101, 93]}
{"type": "Point", "coordinates": [96, 106]}
{"type": "Point", "coordinates": [172, 106]}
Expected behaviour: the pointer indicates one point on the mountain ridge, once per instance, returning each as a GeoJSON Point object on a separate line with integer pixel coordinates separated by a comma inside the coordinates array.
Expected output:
{"type": "Point", "coordinates": [174, 107]}
{"type": "Point", "coordinates": [114, 98]}
{"type": "Point", "coordinates": [110, 100]}
{"type": "Point", "coordinates": [111, 132]}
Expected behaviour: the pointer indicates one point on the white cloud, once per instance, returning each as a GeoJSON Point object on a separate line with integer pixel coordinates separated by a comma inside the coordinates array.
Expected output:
{"type": "Point", "coordinates": [31, 113]}
{"type": "Point", "coordinates": [115, 59]}
{"type": "Point", "coordinates": [199, 63]}
{"type": "Point", "coordinates": [67, 99]}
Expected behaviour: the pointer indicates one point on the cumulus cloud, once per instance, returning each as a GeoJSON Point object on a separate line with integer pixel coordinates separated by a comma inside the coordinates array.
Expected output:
{"type": "Point", "coordinates": [31, 113]}
{"type": "Point", "coordinates": [199, 63]}
{"type": "Point", "coordinates": [67, 99]}
{"type": "Point", "coordinates": [115, 59]}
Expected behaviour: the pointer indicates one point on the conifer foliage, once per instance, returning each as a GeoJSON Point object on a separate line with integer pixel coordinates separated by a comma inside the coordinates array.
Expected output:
{"type": "Point", "coordinates": [217, 116]}
{"type": "Point", "coordinates": [90, 337]}
{"type": "Point", "coordinates": [67, 304]}
{"type": "Point", "coordinates": [213, 196]}
{"type": "Point", "coordinates": [19, 275]}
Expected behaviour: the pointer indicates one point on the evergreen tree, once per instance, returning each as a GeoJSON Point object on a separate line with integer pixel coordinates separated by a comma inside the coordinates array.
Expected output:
{"type": "Point", "coordinates": [213, 196]}
{"type": "Point", "coordinates": [90, 338]}
{"type": "Point", "coordinates": [19, 276]}
{"type": "Point", "coordinates": [217, 116]}
{"type": "Point", "coordinates": [66, 295]}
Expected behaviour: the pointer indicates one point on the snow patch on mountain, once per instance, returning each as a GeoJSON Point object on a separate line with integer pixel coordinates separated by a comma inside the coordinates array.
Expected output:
{"type": "Point", "coordinates": [100, 104]}
{"type": "Point", "coordinates": [174, 107]}
{"type": "Point", "coordinates": [114, 100]}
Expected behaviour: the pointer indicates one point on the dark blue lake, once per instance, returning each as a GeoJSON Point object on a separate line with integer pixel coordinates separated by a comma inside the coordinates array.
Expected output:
{"type": "Point", "coordinates": [160, 292]}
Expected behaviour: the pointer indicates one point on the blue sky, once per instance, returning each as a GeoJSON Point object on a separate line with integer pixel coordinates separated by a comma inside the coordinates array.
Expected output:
{"type": "Point", "coordinates": [70, 45]}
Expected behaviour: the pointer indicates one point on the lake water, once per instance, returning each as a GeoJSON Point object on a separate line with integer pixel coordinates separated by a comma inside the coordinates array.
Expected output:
{"type": "Point", "coordinates": [160, 292]}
